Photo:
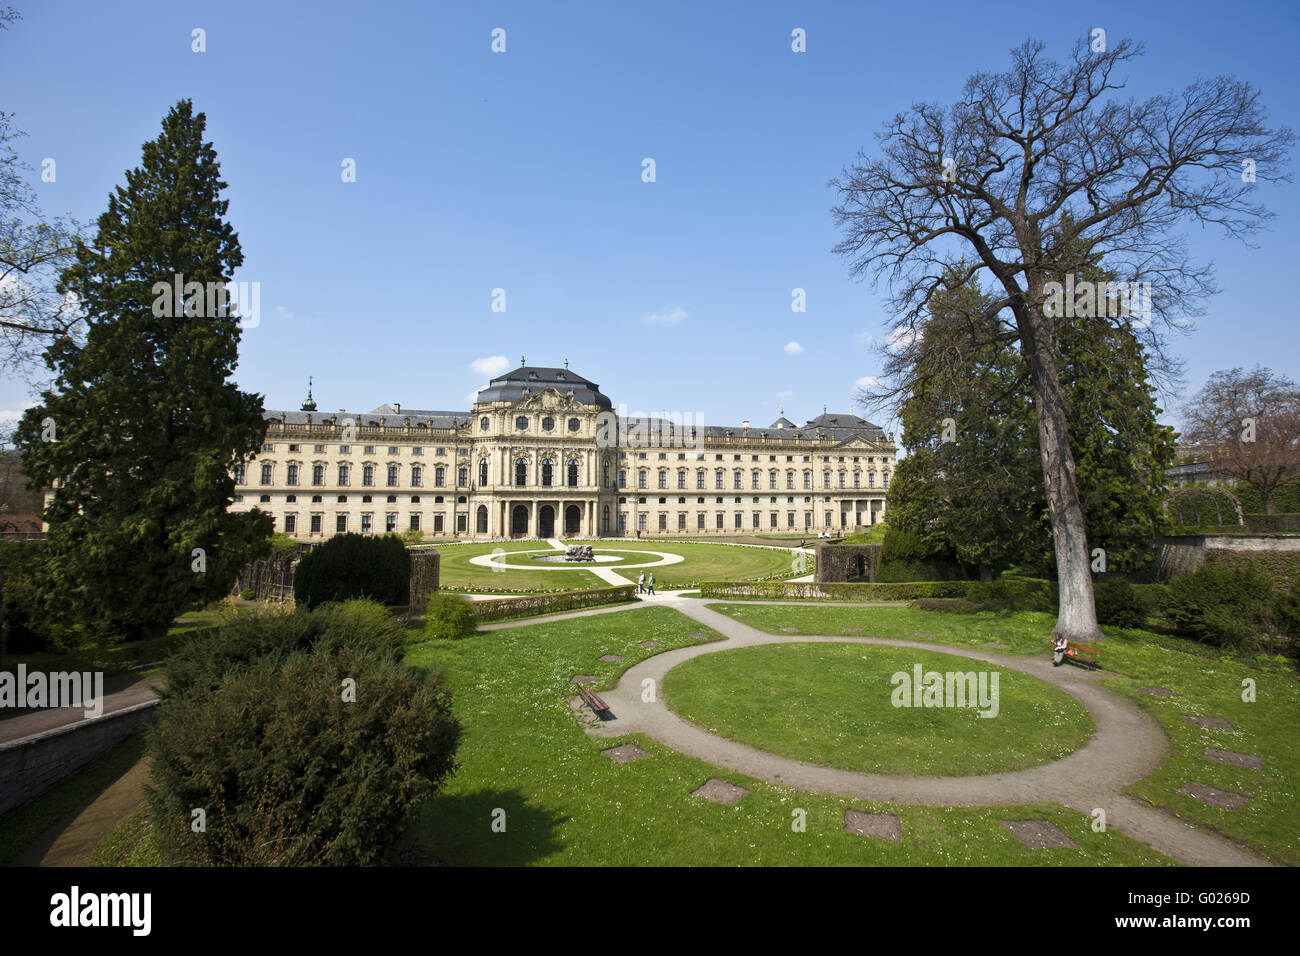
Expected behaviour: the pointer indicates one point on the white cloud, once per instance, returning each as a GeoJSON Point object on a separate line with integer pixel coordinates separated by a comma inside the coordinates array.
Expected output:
{"type": "Point", "coordinates": [489, 365]}
{"type": "Point", "coordinates": [864, 338]}
{"type": "Point", "coordinates": [867, 381]}
{"type": "Point", "coordinates": [793, 348]}
{"type": "Point", "coordinates": [472, 397]}
{"type": "Point", "coordinates": [784, 395]}
{"type": "Point", "coordinates": [668, 316]}
{"type": "Point", "coordinates": [282, 313]}
{"type": "Point", "coordinates": [903, 338]}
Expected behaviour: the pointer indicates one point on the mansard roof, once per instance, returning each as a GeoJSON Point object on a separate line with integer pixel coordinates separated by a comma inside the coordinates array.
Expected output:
{"type": "Point", "coordinates": [531, 379]}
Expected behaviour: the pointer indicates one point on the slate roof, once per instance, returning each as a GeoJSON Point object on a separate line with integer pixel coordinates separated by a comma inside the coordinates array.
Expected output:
{"type": "Point", "coordinates": [530, 379]}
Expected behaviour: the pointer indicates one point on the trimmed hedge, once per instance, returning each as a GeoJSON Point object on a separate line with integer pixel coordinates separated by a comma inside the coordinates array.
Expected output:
{"type": "Point", "coordinates": [1031, 594]}
{"type": "Point", "coordinates": [354, 566]}
{"type": "Point", "coordinates": [553, 603]}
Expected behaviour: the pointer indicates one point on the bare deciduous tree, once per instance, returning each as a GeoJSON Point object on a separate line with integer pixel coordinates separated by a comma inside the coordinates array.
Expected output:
{"type": "Point", "coordinates": [1251, 421]}
{"type": "Point", "coordinates": [1039, 171]}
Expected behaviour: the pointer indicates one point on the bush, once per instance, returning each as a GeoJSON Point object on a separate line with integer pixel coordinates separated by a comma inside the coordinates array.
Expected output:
{"type": "Point", "coordinates": [1119, 604]}
{"type": "Point", "coordinates": [904, 558]}
{"type": "Point", "coordinates": [354, 566]}
{"type": "Point", "coordinates": [1222, 604]}
{"type": "Point", "coordinates": [449, 617]}
{"type": "Point", "coordinates": [257, 728]}
{"type": "Point", "coordinates": [25, 627]}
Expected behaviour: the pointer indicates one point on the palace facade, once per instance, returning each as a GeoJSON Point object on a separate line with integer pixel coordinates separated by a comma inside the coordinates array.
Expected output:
{"type": "Point", "coordinates": [543, 453]}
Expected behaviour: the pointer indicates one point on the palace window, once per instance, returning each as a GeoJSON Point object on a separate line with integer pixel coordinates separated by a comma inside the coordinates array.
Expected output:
{"type": "Point", "coordinates": [293, 475]}
{"type": "Point", "coordinates": [755, 478]}
{"type": "Point", "coordinates": [826, 479]}
{"type": "Point", "coordinates": [841, 479]}
{"type": "Point", "coordinates": [574, 424]}
{"type": "Point", "coordinates": [290, 524]}
{"type": "Point", "coordinates": [736, 476]}
{"type": "Point", "coordinates": [315, 524]}
{"type": "Point", "coordinates": [739, 521]}
{"type": "Point", "coordinates": [548, 424]}
{"type": "Point", "coordinates": [521, 423]}
{"type": "Point", "coordinates": [886, 479]}
{"type": "Point", "coordinates": [521, 472]}
{"type": "Point", "coordinates": [681, 479]}
{"type": "Point", "coordinates": [604, 472]}
{"type": "Point", "coordinates": [462, 475]}
{"type": "Point", "coordinates": [268, 447]}
{"type": "Point", "coordinates": [807, 480]}
{"type": "Point", "coordinates": [392, 476]}
{"type": "Point", "coordinates": [239, 474]}
{"type": "Point", "coordinates": [440, 477]}
{"type": "Point", "coordinates": [789, 479]}
{"type": "Point", "coordinates": [548, 472]}
{"type": "Point", "coordinates": [417, 476]}
{"type": "Point", "coordinates": [699, 479]}
{"type": "Point", "coordinates": [622, 478]}
{"type": "Point", "coordinates": [481, 518]}
{"type": "Point", "coordinates": [573, 473]}
{"type": "Point", "coordinates": [266, 474]}
{"type": "Point", "coordinates": [320, 449]}
{"type": "Point", "coordinates": [871, 480]}
{"type": "Point", "coordinates": [343, 476]}
{"type": "Point", "coordinates": [390, 523]}
{"type": "Point", "coordinates": [663, 521]}
{"type": "Point", "coordinates": [641, 479]}
{"type": "Point", "coordinates": [415, 522]}
{"type": "Point", "coordinates": [482, 472]}
{"type": "Point", "coordinates": [857, 480]}
{"type": "Point", "coordinates": [640, 522]}
{"type": "Point", "coordinates": [771, 479]}
{"type": "Point", "coordinates": [365, 524]}
{"type": "Point", "coordinates": [293, 447]}
{"type": "Point", "coordinates": [718, 479]}
{"type": "Point", "coordinates": [341, 524]}
{"type": "Point", "coordinates": [369, 450]}
{"type": "Point", "coordinates": [318, 474]}
{"type": "Point", "coordinates": [483, 424]}
{"type": "Point", "coordinates": [368, 476]}
{"type": "Point", "coordinates": [663, 479]}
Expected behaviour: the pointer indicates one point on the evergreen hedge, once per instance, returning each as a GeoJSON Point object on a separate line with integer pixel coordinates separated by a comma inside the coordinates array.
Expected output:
{"type": "Point", "coordinates": [354, 566]}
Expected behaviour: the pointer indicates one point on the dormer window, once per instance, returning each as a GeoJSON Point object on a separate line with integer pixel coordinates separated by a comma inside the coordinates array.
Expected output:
{"type": "Point", "coordinates": [483, 423]}
{"type": "Point", "coordinates": [521, 423]}
{"type": "Point", "coordinates": [548, 424]}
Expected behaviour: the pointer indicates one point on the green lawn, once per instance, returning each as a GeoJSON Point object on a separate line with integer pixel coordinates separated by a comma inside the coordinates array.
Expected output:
{"type": "Point", "coordinates": [704, 561]}
{"type": "Point", "coordinates": [1209, 682]}
{"type": "Point", "coordinates": [832, 704]}
{"type": "Point", "coordinates": [565, 803]}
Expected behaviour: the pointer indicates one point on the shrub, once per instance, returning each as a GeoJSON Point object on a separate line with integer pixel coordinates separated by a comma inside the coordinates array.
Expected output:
{"type": "Point", "coordinates": [449, 616]}
{"type": "Point", "coordinates": [25, 626]}
{"type": "Point", "coordinates": [553, 603]}
{"type": "Point", "coordinates": [354, 566]}
{"type": "Point", "coordinates": [1119, 604]}
{"type": "Point", "coordinates": [281, 543]}
{"type": "Point", "coordinates": [1227, 605]}
{"type": "Point", "coordinates": [289, 770]}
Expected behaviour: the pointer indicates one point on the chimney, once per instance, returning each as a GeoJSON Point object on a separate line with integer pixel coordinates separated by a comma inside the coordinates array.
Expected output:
{"type": "Point", "coordinates": [397, 408]}
{"type": "Point", "coordinates": [745, 424]}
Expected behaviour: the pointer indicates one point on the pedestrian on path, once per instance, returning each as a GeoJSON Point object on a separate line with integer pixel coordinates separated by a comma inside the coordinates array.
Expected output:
{"type": "Point", "coordinates": [640, 583]}
{"type": "Point", "coordinates": [652, 582]}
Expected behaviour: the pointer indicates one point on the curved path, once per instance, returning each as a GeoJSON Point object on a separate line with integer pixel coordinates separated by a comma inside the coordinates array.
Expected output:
{"type": "Point", "coordinates": [1126, 744]}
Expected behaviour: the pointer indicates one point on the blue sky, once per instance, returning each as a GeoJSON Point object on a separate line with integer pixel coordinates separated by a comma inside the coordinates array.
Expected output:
{"type": "Point", "coordinates": [522, 171]}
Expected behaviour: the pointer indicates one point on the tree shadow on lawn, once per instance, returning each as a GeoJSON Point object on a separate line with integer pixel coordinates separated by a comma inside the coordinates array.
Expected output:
{"type": "Point", "coordinates": [458, 829]}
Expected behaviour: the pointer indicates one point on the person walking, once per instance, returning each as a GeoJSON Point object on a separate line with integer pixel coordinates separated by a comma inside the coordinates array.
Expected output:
{"type": "Point", "coordinates": [640, 583]}
{"type": "Point", "coordinates": [651, 582]}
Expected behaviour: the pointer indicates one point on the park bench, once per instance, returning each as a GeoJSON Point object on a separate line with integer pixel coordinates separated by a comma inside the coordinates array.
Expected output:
{"type": "Point", "coordinates": [592, 700]}
{"type": "Point", "coordinates": [1083, 655]}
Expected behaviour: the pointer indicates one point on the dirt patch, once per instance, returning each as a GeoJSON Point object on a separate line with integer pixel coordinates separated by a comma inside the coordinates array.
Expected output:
{"type": "Point", "coordinates": [1039, 834]}
{"type": "Point", "coordinates": [608, 658]}
{"type": "Point", "coordinates": [788, 630]}
{"type": "Point", "coordinates": [699, 634]}
{"type": "Point", "coordinates": [625, 753]}
{"type": "Point", "coordinates": [1159, 692]}
{"type": "Point", "coordinates": [719, 791]}
{"type": "Point", "coordinates": [1223, 799]}
{"type": "Point", "coordinates": [652, 643]}
{"type": "Point", "coordinates": [995, 644]}
{"type": "Point", "coordinates": [1250, 761]}
{"type": "Point", "coordinates": [583, 679]}
{"type": "Point", "coordinates": [882, 826]}
{"type": "Point", "coordinates": [1213, 723]}
{"type": "Point", "coordinates": [851, 630]}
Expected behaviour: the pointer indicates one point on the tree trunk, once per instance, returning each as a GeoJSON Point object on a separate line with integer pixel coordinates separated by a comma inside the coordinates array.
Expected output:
{"type": "Point", "coordinates": [1077, 614]}
{"type": "Point", "coordinates": [1267, 495]}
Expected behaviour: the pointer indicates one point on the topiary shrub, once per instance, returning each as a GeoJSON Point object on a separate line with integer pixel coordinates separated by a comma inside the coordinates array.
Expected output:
{"type": "Point", "coordinates": [303, 738]}
{"type": "Point", "coordinates": [449, 616]}
{"type": "Point", "coordinates": [354, 566]}
{"type": "Point", "coordinates": [1119, 604]}
{"type": "Point", "coordinates": [1227, 605]}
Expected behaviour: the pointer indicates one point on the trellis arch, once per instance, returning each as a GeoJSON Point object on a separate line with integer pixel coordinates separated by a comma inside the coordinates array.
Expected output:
{"type": "Point", "coordinates": [1178, 500]}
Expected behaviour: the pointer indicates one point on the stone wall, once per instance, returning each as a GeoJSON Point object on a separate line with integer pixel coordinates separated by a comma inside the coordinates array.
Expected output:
{"type": "Point", "coordinates": [847, 562]}
{"type": "Point", "coordinates": [1181, 554]}
{"type": "Point", "coordinates": [30, 766]}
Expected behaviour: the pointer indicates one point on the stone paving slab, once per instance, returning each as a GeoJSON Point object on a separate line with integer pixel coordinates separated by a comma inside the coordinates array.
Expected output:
{"type": "Point", "coordinates": [583, 679]}
{"type": "Point", "coordinates": [882, 826]}
{"type": "Point", "coordinates": [1212, 723]}
{"type": "Point", "coordinates": [720, 791]}
{"type": "Point", "coordinates": [625, 753]}
{"type": "Point", "coordinates": [1249, 761]}
{"type": "Point", "coordinates": [1039, 834]}
{"type": "Point", "coordinates": [1223, 799]}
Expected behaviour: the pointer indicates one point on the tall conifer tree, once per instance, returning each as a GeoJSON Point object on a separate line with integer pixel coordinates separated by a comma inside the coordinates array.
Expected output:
{"type": "Point", "coordinates": [142, 426]}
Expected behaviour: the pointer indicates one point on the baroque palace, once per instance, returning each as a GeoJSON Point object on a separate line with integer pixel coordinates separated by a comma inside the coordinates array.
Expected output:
{"type": "Point", "coordinates": [543, 453]}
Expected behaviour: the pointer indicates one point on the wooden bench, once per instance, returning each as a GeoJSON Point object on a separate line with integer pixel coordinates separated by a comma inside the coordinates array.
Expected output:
{"type": "Point", "coordinates": [592, 700]}
{"type": "Point", "coordinates": [1083, 655]}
